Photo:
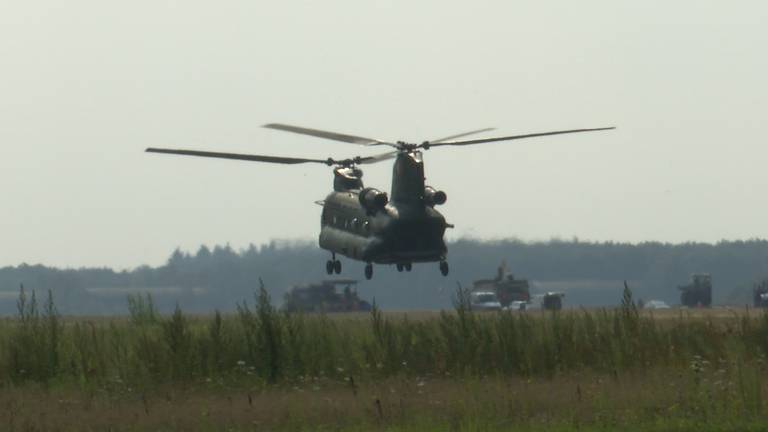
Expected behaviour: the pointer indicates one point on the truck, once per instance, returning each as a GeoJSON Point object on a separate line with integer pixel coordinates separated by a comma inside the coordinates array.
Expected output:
{"type": "Point", "coordinates": [323, 296]}
{"type": "Point", "coordinates": [760, 294]}
{"type": "Point", "coordinates": [698, 293]}
{"type": "Point", "coordinates": [552, 301]}
{"type": "Point", "coordinates": [505, 286]}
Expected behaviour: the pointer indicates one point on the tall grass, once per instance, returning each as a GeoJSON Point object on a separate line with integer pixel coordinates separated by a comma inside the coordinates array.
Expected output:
{"type": "Point", "coordinates": [31, 346]}
{"type": "Point", "coordinates": [261, 345]}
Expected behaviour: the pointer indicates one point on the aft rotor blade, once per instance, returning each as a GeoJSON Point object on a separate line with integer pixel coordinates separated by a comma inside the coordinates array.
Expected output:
{"type": "Point", "coordinates": [256, 158]}
{"type": "Point", "coordinates": [461, 135]}
{"type": "Point", "coordinates": [513, 137]}
{"type": "Point", "coordinates": [352, 139]}
{"type": "Point", "coordinates": [378, 158]}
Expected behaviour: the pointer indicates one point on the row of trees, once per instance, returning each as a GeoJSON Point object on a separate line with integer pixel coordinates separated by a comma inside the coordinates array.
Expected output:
{"type": "Point", "coordinates": [219, 277]}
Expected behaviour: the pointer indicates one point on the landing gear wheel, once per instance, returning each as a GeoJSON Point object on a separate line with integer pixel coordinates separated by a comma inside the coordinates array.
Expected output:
{"type": "Point", "coordinates": [329, 267]}
{"type": "Point", "coordinates": [399, 267]}
{"type": "Point", "coordinates": [368, 271]}
{"type": "Point", "coordinates": [337, 266]}
{"type": "Point", "coordinates": [408, 266]}
{"type": "Point", "coordinates": [444, 268]}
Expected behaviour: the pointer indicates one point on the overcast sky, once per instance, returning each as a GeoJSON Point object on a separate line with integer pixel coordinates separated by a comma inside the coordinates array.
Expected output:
{"type": "Point", "coordinates": [85, 86]}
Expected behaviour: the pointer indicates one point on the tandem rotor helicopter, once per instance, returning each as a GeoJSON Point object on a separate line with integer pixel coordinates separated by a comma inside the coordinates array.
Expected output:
{"type": "Point", "coordinates": [365, 224]}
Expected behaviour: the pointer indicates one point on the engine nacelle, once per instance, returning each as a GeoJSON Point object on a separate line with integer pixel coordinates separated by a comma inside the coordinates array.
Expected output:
{"type": "Point", "coordinates": [372, 199]}
{"type": "Point", "coordinates": [433, 197]}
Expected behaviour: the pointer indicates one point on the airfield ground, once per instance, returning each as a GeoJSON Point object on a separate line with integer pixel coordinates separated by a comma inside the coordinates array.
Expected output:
{"type": "Point", "coordinates": [643, 401]}
{"type": "Point", "coordinates": [618, 369]}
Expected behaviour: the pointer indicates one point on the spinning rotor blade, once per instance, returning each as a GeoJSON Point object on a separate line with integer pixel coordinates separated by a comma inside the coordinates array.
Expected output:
{"type": "Point", "coordinates": [509, 138]}
{"type": "Point", "coordinates": [376, 158]}
{"type": "Point", "coordinates": [328, 135]}
{"type": "Point", "coordinates": [279, 159]}
{"type": "Point", "coordinates": [461, 135]}
{"type": "Point", "coordinates": [257, 158]}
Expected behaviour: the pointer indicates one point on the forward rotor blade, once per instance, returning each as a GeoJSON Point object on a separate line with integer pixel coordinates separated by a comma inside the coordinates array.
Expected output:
{"type": "Point", "coordinates": [513, 137]}
{"type": "Point", "coordinates": [256, 158]}
{"type": "Point", "coordinates": [378, 158]}
{"type": "Point", "coordinates": [328, 135]}
{"type": "Point", "coordinates": [461, 135]}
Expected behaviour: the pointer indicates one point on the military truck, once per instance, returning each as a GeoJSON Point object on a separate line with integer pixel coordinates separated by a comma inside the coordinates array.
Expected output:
{"type": "Point", "coordinates": [552, 301]}
{"type": "Point", "coordinates": [698, 293]}
{"type": "Point", "coordinates": [760, 294]}
{"type": "Point", "coordinates": [324, 297]}
{"type": "Point", "coordinates": [507, 288]}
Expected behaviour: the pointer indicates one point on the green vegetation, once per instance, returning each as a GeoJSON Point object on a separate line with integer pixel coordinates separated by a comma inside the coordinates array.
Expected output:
{"type": "Point", "coordinates": [455, 370]}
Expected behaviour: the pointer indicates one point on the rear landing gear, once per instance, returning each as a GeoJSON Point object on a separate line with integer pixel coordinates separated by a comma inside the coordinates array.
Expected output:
{"type": "Point", "coordinates": [404, 266]}
{"type": "Point", "coordinates": [444, 268]}
{"type": "Point", "coordinates": [368, 271]}
{"type": "Point", "coordinates": [333, 266]}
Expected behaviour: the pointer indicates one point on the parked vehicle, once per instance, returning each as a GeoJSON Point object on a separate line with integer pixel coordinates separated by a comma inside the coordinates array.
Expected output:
{"type": "Point", "coordinates": [519, 305]}
{"type": "Point", "coordinates": [323, 297]}
{"type": "Point", "coordinates": [760, 294]}
{"type": "Point", "coordinates": [506, 288]}
{"type": "Point", "coordinates": [552, 301]}
{"type": "Point", "coordinates": [655, 304]}
{"type": "Point", "coordinates": [698, 293]}
{"type": "Point", "coordinates": [484, 301]}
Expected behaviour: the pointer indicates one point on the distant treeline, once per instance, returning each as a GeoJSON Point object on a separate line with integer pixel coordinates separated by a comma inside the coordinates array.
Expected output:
{"type": "Point", "coordinates": [219, 277]}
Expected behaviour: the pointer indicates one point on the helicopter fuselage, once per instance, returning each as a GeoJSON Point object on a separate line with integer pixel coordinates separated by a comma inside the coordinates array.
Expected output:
{"type": "Point", "coordinates": [406, 229]}
{"type": "Point", "coordinates": [395, 234]}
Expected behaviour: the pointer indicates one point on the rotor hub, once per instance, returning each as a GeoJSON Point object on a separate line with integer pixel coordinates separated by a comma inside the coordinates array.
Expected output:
{"type": "Point", "coordinates": [407, 147]}
{"type": "Point", "coordinates": [344, 163]}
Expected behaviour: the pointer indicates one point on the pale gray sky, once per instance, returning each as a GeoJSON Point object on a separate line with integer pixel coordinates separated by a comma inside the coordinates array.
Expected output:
{"type": "Point", "coordinates": [85, 86]}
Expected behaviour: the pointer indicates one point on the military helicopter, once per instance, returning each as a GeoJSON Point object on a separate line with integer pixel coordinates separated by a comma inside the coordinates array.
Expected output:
{"type": "Point", "coordinates": [364, 223]}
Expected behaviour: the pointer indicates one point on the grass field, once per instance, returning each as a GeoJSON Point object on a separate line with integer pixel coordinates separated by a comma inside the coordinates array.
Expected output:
{"type": "Point", "coordinates": [260, 369]}
{"type": "Point", "coordinates": [662, 400]}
